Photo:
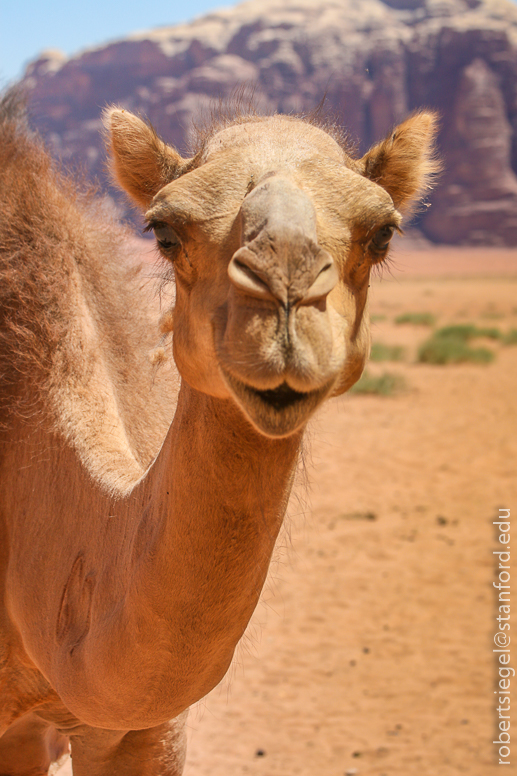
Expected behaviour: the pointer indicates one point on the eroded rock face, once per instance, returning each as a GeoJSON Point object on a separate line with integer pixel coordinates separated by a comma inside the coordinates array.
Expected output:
{"type": "Point", "coordinates": [376, 60]}
{"type": "Point", "coordinates": [478, 195]}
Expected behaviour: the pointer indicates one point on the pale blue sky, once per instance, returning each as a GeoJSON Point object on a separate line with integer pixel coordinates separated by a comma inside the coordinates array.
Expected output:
{"type": "Point", "coordinates": [29, 26]}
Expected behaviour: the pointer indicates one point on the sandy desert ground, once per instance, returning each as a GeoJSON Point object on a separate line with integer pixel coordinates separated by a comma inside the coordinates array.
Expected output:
{"type": "Point", "coordinates": [371, 652]}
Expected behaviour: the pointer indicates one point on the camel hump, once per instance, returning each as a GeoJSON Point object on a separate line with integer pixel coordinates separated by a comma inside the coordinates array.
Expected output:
{"type": "Point", "coordinates": [76, 322]}
{"type": "Point", "coordinates": [29, 326]}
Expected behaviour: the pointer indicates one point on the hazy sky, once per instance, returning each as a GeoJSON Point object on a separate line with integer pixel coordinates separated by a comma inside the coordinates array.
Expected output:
{"type": "Point", "coordinates": [29, 26]}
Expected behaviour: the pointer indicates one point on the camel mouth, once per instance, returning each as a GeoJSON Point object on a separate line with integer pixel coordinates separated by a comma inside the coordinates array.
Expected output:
{"type": "Point", "coordinates": [276, 412]}
{"type": "Point", "coordinates": [282, 397]}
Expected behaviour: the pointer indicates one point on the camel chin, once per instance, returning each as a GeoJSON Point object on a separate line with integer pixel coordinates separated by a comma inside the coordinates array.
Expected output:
{"type": "Point", "coordinates": [280, 411]}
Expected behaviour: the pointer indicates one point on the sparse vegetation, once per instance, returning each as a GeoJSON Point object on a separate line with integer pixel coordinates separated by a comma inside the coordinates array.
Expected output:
{"type": "Point", "coordinates": [450, 350]}
{"type": "Point", "coordinates": [450, 345]}
{"type": "Point", "coordinates": [369, 516]}
{"type": "Point", "coordinates": [510, 338]}
{"type": "Point", "coordinates": [417, 319]}
{"type": "Point", "coordinates": [377, 318]}
{"type": "Point", "coordinates": [382, 352]}
{"type": "Point", "coordinates": [385, 384]}
{"type": "Point", "coordinates": [468, 331]}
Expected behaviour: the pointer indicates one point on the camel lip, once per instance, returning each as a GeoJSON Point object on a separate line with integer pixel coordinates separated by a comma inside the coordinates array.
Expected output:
{"type": "Point", "coordinates": [276, 412]}
{"type": "Point", "coordinates": [282, 397]}
{"type": "Point", "coordinates": [279, 399]}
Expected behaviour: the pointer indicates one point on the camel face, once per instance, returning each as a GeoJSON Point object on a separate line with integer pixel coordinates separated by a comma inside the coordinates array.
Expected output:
{"type": "Point", "coordinates": [272, 231]}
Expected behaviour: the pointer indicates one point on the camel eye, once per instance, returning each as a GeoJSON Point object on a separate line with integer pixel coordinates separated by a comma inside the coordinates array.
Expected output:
{"type": "Point", "coordinates": [166, 237]}
{"type": "Point", "coordinates": [381, 238]}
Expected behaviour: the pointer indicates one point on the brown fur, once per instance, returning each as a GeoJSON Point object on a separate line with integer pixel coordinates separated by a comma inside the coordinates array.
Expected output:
{"type": "Point", "coordinates": [406, 163]}
{"type": "Point", "coordinates": [34, 315]}
{"type": "Point", "coordinates": [141, 161]}
{"type": "Point", "coordinates": [127, 584]}
{"type": "Point", "coordinates": [61, 260]}
{"type": "Point", "coordinates": [241, 108]}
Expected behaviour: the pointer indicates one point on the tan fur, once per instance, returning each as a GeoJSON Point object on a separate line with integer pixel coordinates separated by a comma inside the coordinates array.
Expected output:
{"type": "Point", "coordinates": [158, 356]}
{"type": "Point", "coordinates": [132, 556]}
{"type": "Point", "coordinates": [66, 297]}
{"type": "Point", "coordinates": [405, 163]}
{"type": "Point", "coordinates": [141, 162]}
{"type": "Point", "coordinates": [167, 322]}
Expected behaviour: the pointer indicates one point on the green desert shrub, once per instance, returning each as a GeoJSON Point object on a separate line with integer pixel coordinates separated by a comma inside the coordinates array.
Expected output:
{"type": "Point", "coordinates": [510, 338]}
{"type": "Point", "coordinates": [385, 384]}
{"type": "Point", "coordinates": [467, 331]}
{"type": "Point", "coordinates": [417, 319]}
{"type": "Point", "coordinates": [451, 345]}
{"type": "Point", "coordinates": [452, 350]}
{"type": "Point", "coordinates": [382, 352]}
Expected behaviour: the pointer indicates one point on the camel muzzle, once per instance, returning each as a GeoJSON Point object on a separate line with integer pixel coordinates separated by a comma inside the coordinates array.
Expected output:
{"type": "Point", "coordinates": [279, 258]}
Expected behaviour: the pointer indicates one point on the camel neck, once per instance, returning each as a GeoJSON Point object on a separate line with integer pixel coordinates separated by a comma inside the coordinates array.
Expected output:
{"type": "Point", "coordinates": [227, 461]}
{"type": "Point", "coordinates": [166, 578]}
{"type": "Point", "coordinates": [212, 507]}
{"type": "Point", "coordinates": [218, 492]}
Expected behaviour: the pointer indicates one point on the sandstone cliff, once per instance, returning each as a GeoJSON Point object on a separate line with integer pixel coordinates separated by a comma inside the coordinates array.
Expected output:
{"type": "Point", "coordinates": [375, 59]}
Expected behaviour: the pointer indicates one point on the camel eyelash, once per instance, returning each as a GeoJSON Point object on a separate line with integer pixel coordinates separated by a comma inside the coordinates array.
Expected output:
{"type": "Point", "coordinates": [383, 267]}
{"type": "Point", "coordinates": [379, 243]}
{"type": "Point", "coordinates": [166, 237]}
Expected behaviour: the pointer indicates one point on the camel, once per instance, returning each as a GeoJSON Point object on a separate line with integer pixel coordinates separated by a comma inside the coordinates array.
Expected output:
{"type": "Point", "coordinates": [138, 515]}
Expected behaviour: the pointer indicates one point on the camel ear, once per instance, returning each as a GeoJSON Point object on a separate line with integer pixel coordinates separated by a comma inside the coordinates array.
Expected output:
{"type": "Point", "coordinates": [405, 163]}
{"type": "Point", "coordinates": [141, 163]}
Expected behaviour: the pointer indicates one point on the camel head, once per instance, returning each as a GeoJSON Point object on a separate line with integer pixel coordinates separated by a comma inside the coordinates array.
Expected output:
{"type": "Point", "coordinates": [272, 230]}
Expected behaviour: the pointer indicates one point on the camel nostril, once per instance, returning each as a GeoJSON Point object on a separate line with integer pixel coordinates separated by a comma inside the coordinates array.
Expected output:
{"type": "Point", "coordinates": [247, 279]}
{"type": "Point", "coordinates": [309, 283]}
{"type": "Point", "coordinates": [326, 280]}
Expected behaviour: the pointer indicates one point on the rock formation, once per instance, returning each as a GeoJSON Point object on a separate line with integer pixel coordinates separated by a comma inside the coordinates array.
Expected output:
{"type": "Point", "coordinates": [376, 60]}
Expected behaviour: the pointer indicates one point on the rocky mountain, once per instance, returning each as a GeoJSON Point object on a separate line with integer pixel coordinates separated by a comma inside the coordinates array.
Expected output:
{"type": "Point", "coordinates": [376, 61]}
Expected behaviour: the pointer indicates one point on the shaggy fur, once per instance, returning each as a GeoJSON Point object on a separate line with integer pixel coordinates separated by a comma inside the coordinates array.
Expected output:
{"type": "Point", "coordinates": [241, 108]}
{"type": "Point", "coordinates": [64, 291]}
{"type": "Point", "coordinates": [411, 146]}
